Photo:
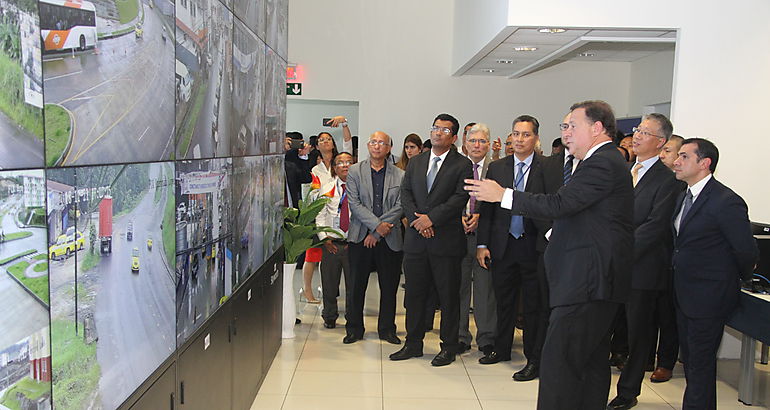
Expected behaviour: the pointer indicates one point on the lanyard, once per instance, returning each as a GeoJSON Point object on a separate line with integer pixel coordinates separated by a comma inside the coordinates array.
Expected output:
{"type": "Point", "coordinates": [521, 175]}
{"type": "Point", "coordinates": [342, 198]}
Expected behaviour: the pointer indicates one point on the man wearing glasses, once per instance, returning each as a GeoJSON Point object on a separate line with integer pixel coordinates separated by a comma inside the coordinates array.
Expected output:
{"type": "Point", "coordinates": [433, 200]}
{"type": "Point", "coordinates": [375, 237]}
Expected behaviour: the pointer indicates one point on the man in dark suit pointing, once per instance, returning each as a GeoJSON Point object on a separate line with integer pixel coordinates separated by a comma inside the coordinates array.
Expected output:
{"type": "Point", "coordinates": [433, 201]}
{"type": "Point", "coordinates": [587, 261]}
{"type": "Point", "coordinates": [713, 249]}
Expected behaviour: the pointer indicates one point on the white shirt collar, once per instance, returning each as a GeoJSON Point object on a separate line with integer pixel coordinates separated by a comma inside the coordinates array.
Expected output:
{"type": "Point", "coordinates": [527, 160]}
{"type": "Point", "coordinates": [442, 156]}
{"type": "Point", "coordinates": [594, 148]}
{"type": "Point", "coordinates": [697, 188]}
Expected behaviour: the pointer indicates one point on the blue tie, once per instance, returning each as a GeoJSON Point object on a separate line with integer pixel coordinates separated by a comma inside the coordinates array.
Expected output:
{"type": "Point", "coordinates": [517, 221]}
{"type": "Point", "coordinates": [432, 172]}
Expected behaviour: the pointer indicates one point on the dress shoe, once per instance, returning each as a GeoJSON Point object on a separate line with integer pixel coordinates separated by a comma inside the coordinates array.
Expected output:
{"type": "Point", "coordinates": [529, 372]}
{"type": "Point", "coordinates": [351, 338]}
{"type": "Point", "coordinates": [660, 375]}
{"type": "Point", "coordinates": [618, 360]}
{"type": "Point", "coordinates": [443, 358]}
{"type": "Point", "coordinates": [486, 349]}
{"type": "Point", "coordinates": [406, 352]}
{"type": "Point", "coordinates": [462, 347]}
{"type": "Point", "coordinates": [493, 358]}
{"type": "Point", "coordinates": [330, 324]}
{"type": "Point", "coordinates": [622, 403]}
{"type": "Point", "coordinates": [391, 338]}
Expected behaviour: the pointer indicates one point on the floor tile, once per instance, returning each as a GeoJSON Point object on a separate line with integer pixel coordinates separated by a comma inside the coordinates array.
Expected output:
{"type": "Point", "coordinates": [501, 387]}
{"type": "Point", "coordinates": [508, 404]}
{"type": "Point", "coordinates": [268, 401]}
{"type": "Point", "coordinates": [394, 403]}
{"type": "Point", "coordinates": [277, 382]}
{"type": "Point", "coordinates": [446, 386]}
{"type": "Point", "coordinates": [332, 384]}
{"type": "Point", "coordinates": [302, 402]}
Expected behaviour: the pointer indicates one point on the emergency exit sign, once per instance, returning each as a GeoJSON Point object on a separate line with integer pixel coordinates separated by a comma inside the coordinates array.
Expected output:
{"type": "Point", "coordinates": [294, 89]}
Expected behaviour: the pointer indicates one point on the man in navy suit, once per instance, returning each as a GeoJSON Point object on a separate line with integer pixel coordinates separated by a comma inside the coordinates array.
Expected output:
{"type": "Point", "coordinates": [655, 190]}
{"type": "Point", "coordinates": [587, 259]}
{"type": "Point", "coordinates": [713, 249]}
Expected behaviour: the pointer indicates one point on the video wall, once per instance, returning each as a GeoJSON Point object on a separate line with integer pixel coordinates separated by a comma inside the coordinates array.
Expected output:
{"type": "Point", "coordinates": [141, 182]}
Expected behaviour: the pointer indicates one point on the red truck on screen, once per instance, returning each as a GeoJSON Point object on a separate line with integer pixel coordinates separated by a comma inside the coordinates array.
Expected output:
{"type": "Point", "coordinates": [105, 224]}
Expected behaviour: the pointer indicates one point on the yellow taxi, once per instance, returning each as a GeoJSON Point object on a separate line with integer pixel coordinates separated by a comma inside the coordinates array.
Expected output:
{"type": "Point", "coordinates": [135, 260]}
{"type": "Point", "coordinates": [66, 245]}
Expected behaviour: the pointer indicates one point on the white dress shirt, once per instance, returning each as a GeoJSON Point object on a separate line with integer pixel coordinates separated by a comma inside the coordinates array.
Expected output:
{"type": "Point", "coordinates": [330, 214]}
{"type": "Point", "coordinates": [438, 166]}
{"type": "Point", "coordinates": [507, 201]}
{"type": "Point", "coordinates": [696, 189]}
{"type": "Point", "coordinates": [646, 165]}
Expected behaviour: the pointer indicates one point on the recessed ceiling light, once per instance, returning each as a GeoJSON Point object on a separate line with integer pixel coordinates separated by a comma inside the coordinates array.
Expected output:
{"type": "Point", "coordinates": [488, 70]}
{"type": "Point", "coordinates": [505, 61]}
{"type": "Point", "coordinates": [586, 54]}
{"type": "Point", "coordinates": [551, 30]}
{"type": "Point", "coordinates": [525, 48]}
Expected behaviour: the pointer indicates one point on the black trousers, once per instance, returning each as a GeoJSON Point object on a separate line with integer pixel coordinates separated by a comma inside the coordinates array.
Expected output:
{"type": "Point", "coordinates": [619, 338]}
{"type": "Point", "coordinates": [388, 265]}
{"type": "Point", "coordinates": [640, 317]}
{"type": "Point", "coordinates": [508, 272]}
{"type": "Point", "coordinates": [699, 339]}
{"type": "Point", "coordinates": [574, 371]}
{"type": "Point", "coordinates": [535, 311]}
{"type": "Point", "coordinates": [444, 272]}
{"type": "Point", "coordinates": [668, 337]}
{"type": "Point", "coordinates": [332, 266]}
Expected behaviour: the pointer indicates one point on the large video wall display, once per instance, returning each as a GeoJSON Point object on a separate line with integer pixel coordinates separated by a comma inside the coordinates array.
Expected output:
{"type": "Point", "coordinates": [141, 181]}
{"type": "Point", "coordinates": [204, 78]}
{"type": "Point", "coordinates": [109, 88]}
{"type": "Point", "coordinates": [21, 86]}
{"type": "Point", "coordinates": [25, 356]}
{"type": "Point", "coordinates": [204, 268]}
{"type": "Point", "coordinates": [111, 259]}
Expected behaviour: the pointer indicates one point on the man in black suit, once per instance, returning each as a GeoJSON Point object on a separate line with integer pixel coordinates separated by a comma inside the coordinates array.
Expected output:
{"type": "Point", "coordinates": [655, 190]}
{"type": "Point", "coordinates": [509, 241]}
{"type": "Point", "coordinates": [433, 200]}
{"type": "Point", "coordinates": [713, 250]}
{"type": "Point", "coordinates": [297, 168]}
{"type": "Point", "coordinates": [587, 259]}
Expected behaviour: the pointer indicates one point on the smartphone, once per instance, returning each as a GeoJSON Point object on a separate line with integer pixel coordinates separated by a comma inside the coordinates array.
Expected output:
{"type": "Point", "coordinates": [296, 144]}
{"type": "Point", "coordinates": [326, 122]}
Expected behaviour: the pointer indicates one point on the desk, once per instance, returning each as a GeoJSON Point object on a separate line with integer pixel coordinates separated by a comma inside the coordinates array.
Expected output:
{"type": "Point", "coordinates": [752, 319]}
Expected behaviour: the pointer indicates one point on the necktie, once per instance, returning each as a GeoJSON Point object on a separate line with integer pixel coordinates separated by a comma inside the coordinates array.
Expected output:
{"type": "Point", "coordinates": [686, 206]}
{"type": "Point", "coordinates": [344, 214]}
{"type": "Point", "coordinates": [635, 173]}
{"type": "Point", "coordinates": [472, 206]}
{"type": "Point", "coordinates": [432, 172]}
{"type": "Point", "coordinates": [568, 169]}
{"type": "Point", "coordinates": [517, 221]}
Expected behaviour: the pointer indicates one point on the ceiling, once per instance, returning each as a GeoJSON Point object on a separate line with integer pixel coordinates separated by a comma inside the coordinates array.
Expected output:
{"type": "Point", "coordinates": [502, 59]}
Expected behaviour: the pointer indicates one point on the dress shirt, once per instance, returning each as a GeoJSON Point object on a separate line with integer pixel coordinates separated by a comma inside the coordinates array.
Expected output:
{"type": "Point", "coordinates": [507, 201]}
{"type": "Point", "coordinates": [695, 189]}
{"type": "Point", "coordinates": [646, 165]}
{"type": "Point", "coordinates": [378, 188]}
{"type": "Point", "coordinates": [329, 215]}
{"type": "Point", "coordinates": [438, 166]}
{"type": "Point", "coordinates": [481, 167]}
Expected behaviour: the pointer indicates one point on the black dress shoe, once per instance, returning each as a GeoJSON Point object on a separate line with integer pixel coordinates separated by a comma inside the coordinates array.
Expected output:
{"type": "Point", "coordinates": [330, 324]}
{"type": "Point", "coordinates": [406, 352]}
{"type": "Point", "coordinates": [486, 349]}
{"type": "Point", "coordinates": [618, 360]}
{"type": "Point", "coordinates": [462, 348]}
{"type": "Point", "coordinates": [622, 403]}
{"type": "Point", "coordinates": [443, 358]}
{"type": "Point", "coordinates": [529, 372]}
{"type": "Point", "coordinates": [351, 338]}
{"type": "Point", "coordinates": [391, 338]}
{"type": "Point", "coordinates": [493, 358]}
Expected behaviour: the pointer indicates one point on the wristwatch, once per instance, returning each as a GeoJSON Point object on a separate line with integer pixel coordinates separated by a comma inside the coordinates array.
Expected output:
{"type": "Point", "coordinates": [344, 124]}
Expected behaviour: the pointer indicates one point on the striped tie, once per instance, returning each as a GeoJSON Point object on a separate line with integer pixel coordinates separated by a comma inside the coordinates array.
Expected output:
{"type": "Point", "coordinates": [568, 169]}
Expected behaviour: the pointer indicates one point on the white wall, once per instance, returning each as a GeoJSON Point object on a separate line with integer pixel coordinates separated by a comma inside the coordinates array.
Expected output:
{"type": "Point", "coordinates": [651, 81]}
{"type": "Point", "coordinates": [394, 58]}
{"type": "Point", "coordinates": [306, 117]}
{"type": "Point", "coordinates": [476, 23]}
{"type": "Point", "coordinates": [721, 87]}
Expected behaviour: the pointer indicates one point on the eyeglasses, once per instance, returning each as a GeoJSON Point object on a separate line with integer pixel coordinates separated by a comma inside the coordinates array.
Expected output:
{"type": "Point", "coordinates": [343, 163]}
{"type": "Point", "coordinates": [480, 141]}
{"type": "Point", "coordinates": [564, 126]}
{"type": "Point", "coordinates": [644, 133]}
{"type": "Point", "coordinates": [443, 130]}
{"type": "Point", "coordinates": [380, 143]}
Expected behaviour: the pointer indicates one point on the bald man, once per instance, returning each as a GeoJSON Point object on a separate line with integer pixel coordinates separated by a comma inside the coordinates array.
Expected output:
{"type": "Point", "coordinates": [374, 237]}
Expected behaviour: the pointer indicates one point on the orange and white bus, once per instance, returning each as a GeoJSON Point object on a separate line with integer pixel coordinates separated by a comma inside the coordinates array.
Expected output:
{"type": "Point", "coordinates": [67, 24]}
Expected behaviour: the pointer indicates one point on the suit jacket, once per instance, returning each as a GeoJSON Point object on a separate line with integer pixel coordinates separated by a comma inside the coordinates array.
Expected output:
{"type": "Point", "coordinates": [553, 179]}
{"type": "Point", "coordinates": [587, 258]}
{"type": "Point", "coordinates": [444, 204]}
{"type": "Point", "coordinates": [713, 250]}
{"type": "Point", "coordinates": [654, 199]}
{"type": "Point", "coordinates": [361, 202]}
{"type": "Point", "coordinates": [495, 221]}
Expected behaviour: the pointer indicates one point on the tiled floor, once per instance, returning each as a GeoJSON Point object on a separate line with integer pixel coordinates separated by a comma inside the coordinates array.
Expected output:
{"type": "Point", "coordinates": [315, 371]}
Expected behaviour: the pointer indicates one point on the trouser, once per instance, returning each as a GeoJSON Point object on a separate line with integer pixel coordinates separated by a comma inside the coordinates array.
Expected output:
{"type": "Point", "coordinates": [476, 284]}
{"type": "Point", "coordinates": [420, 270]}
{"type": "Point", "coordinates": [668, 338]}
{"type": "Point", "coordinates": [574, 371]}
{"type": "Point", "coordinates": [699, 339]}
{"type": "Point", "coordinates": [332, 266]}
{"type": "Point", "coordinates": [641, 337]}
{"type": "Point", "coordinates": [388, 265]}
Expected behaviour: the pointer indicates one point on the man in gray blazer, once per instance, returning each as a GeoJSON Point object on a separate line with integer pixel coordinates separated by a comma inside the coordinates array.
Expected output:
{"type": "Point", "coordinates": [374, 195]}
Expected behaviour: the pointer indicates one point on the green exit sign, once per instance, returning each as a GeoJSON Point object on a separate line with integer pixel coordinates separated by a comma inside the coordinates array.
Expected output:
{"type": "Point", "coordinates": [294, 89]}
